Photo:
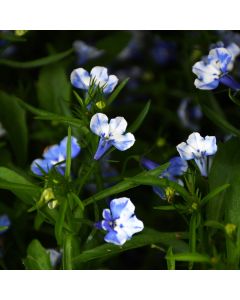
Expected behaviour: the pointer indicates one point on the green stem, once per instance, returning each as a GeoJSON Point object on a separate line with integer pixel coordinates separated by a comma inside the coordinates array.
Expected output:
{"type": "Point", "coordinates": [192, 236]}
{"type": "Point", "coordinates": [67, 252]}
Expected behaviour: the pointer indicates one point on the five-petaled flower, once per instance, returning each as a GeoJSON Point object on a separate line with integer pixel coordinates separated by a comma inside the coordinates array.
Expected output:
{"type": "Point", "coordinates": [53, 155]}
{"type": "Point", "coordinates": [177, 167]}
{"type": "Point", "coordinates": [214, 70]}
{"type": "Point", "coordinates": [120, 221]}
{"type": "Point", "coordinates": [80, 78]}
{"type": "Point", "coordinates": [199, 149]}
{"type": "Point", "coordinates": [111, 134]}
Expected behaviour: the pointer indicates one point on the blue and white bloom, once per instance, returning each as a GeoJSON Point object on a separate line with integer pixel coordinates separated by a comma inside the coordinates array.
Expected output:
{"type": "Point", "coordinates": [80, 78]}
{"type": "Point", "coordinates": [86, 52]}
{"type": "Point", "coordinates": [4, 222]}
{"type": "Point", "coordinates": [199, 149]}
{"type": "Point", "coordinates": [53, 155]}
{"type": "Point", "coordinates": [111, 133]}
{"type": "Point", "coordinates": [214, 70]}
{"type": "Point", "coordinates": [120, 221]}
{"type": "Point", "coordinates": [177, 167]}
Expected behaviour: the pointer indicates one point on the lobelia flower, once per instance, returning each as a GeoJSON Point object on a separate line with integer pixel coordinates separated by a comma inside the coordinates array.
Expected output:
{"type": "Point", "coordinates": [163, 52]}
{"type": "Point", "coordinates": [4, 222]}
{"type": "Point", "coordinates": [86, 52]}
{"type": "Point", "coordinates": [80, 78]}
{"type": "Point", "coordinates": [199, 149]}
{"type": "Point", "coordinates": [120, 221]}
{"type": "Point", "coordinates": [214, 70]}
{"type": "Point", "coordinates": [53, 155]}
{"type": "Point", "coordinates": [177, 167]}
{"type": "Point", "coordinates": [111, 134]}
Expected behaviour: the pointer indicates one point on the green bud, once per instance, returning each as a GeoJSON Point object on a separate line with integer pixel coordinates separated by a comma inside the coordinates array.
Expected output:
{"type": "Point", "coordinates": [230, 229]}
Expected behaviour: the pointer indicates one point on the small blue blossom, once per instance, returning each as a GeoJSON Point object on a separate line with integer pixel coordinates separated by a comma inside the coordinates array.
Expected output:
{"type": "Point", "coordinates": [111, 134]}
{"type": "Point", "coordinates": [55, 257]}
{"type": "Point", "coordinates": [85, 52]}
{"type": "Point", "coordinates": [4, 222]}
{"type": "Point", "coordinates": [120, 221]}
{"type": "Point", "coordinates": [214, 70]}
{"type": "Point", "coordinates": [199, 149]}
{"type": "Point", "coordinates": [80, 78]}
{"type": "Point", "coordinates": [53, 155]}
{"type": "Point", "coordinates": [177, 167]}
{"type": "Point", "coordinates": [189, 114]}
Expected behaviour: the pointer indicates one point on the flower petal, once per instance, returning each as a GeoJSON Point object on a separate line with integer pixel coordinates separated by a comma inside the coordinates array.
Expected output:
{"type": "Point", "coordinates": [123, 142]}
{"type": "Point", "coordinates": [196, 142]}
{"type": "Point", "coordinates": [43, 163]}
{"type": "Point", "coordinates": [107, 214]}
{"type": "Point", "coordinates": [131, 226]}
{"type": "Point", "coordinates": [4, 221]}
{"type": "Point", "coordinates": [117, 125]}
{"type": "Point", "coordinates": [221, 56]}
{"type": "Point", "coordinates": [75, 148]}
{"type": "Point", "coordinates": [122, 208]}
{"type": "Point", "coordinates": [52, 153]}
{"type": "Point", "coordinates": [80, 78]}
{"type": "Point", "coordinates": [149, 164]}
{"type": "Point", "coordinates": [111, 84]}
{"type": "Point", "coordinates": [116, 237]}
{"type": "Point", "coordinates": [99, 75]}
{"type": "Point", "coordinates": [99, 125]}
{"type": "Point", "coordinates": [210, 145]}
{"type": "Point", "coordinates": [177, 167]}
{"type": "Point", "coordinates": [103, 146]}
{"type": "Point", "coordinates": [185, 151]}
{"type": "Point", "coordinates": [199, 84]}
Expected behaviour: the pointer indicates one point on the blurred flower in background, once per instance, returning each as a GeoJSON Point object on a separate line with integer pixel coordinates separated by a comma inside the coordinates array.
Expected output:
{"type": "Point", "coordinates": [85, 52]}
{"type": "Point", "coordinates": [189, 114]}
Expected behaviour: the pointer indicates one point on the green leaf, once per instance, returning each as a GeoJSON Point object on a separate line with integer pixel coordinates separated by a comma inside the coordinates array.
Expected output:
{"type": "Point", "coordinates": [214, 224]}
{"type": "Point", "coordinates": [165, 207]}
{"type": "Point", "coordinates": [60, 221]}
{"type": "Point", "coordinates": [160, 182]}
{"type": "Point", "coordinates": [124, 185]}
{"type": "Point", "coordinates": [225, 207]}
{"type": "Point", "coordinates": [189, 257]}
{"type": "Point", "coordinates": [147, 237]}
{"type": "Point", "coordinates": [233, 97]}
{"type": "Point", "coordinates": [54, 89]}
{"type": "Point", "coordinates": [219, 121]}
{"type": "Point", "coordinates": [13, 118]}
{"type": "Point", "coordinates": [38, 62]}
{"type": "Point", "coordinates": [37, 257]}
{"type": "Point", "coordinates": [45, 115]}
{"type": "Point", "coordinates": [139, 120]}
{"type": "Point", "coordinates": [214, 193]}
{"type": "Point", "coordinates": [20, 186]}
{"type": "Point", "coordinates": [170, 262]}
{"type": "Point", "coordinates": [69, 155]}
{"type": "Point", "coordinates": [117, 91]}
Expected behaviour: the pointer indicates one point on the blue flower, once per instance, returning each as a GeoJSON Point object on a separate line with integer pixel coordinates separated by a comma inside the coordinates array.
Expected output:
{"type": "Point", "coordinates": [55, 257]}
{"type": "Point", "coordinates": [199, 149]}
{"type": "Point", "coordinates": [85, 52]}
{"type": "Point", "coordinates": [111, 134]}
{"type": "Point", "coordinates": [189, 114]}
{"type": "Point", "coordinates": [55, 155]}
{"type": "Point", "coordinates": [120, 221]}
{"type": "Point", "coordinates": [214, 70]}
{"type": "Point", "coordinates": [176, 168]}
{"type": "Point", "coordinates": [80, 78]}
{"type": "Point", "coordinates": [4, 222]}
